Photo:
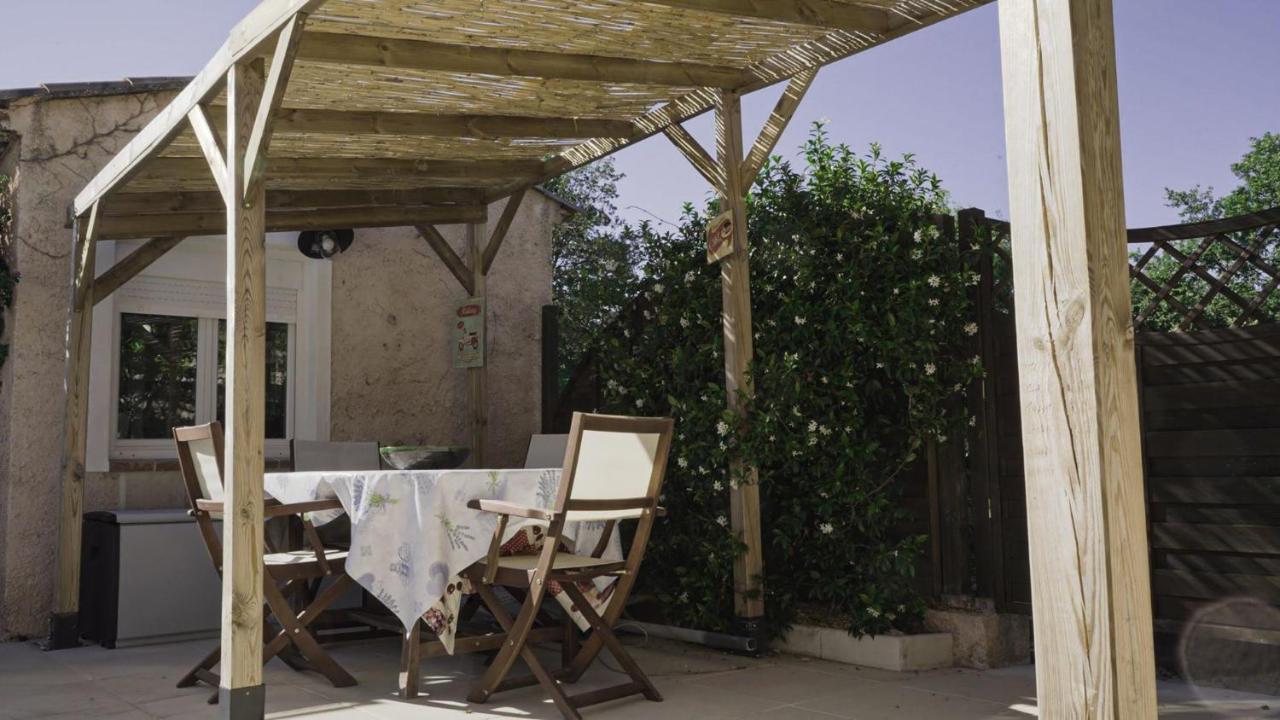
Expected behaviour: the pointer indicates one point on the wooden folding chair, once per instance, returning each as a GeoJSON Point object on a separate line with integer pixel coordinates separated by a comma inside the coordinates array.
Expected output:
{"type": "Point", "coordinates": [613, 471]}
{"type": "Point", "coordinates": [286, 573]}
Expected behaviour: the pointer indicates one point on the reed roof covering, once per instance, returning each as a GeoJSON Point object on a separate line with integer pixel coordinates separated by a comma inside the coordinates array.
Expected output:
{"type": "Point", "coordinates": [472, 100]}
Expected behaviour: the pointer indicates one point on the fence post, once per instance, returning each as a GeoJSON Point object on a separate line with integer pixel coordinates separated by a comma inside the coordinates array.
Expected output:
{"type": "Point", "coordinates": [984, 484]}
{"type": "Point", "coordinates": [550, 366]}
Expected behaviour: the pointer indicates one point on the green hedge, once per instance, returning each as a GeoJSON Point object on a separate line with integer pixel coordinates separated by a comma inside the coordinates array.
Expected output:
{"type": "Point", "coordinates": [861, 318]}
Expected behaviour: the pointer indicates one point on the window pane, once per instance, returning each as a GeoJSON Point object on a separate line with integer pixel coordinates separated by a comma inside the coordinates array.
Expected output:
{"type": "Point", "coordinates": [277, 376]}
{"type": "Point", "coordinates": [157, 375]}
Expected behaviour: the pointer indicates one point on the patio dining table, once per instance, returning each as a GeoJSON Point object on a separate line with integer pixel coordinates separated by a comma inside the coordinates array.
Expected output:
{"type": "Point", "coordinates": [412, 533]}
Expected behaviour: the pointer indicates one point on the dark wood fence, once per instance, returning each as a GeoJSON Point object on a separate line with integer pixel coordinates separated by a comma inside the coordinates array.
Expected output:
{"type": "Point", "coordinates": [1210, 403]}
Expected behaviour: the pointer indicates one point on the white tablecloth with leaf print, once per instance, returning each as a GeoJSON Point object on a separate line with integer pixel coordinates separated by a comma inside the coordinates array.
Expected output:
{"type": "Point", "coordinates": [412, 532]}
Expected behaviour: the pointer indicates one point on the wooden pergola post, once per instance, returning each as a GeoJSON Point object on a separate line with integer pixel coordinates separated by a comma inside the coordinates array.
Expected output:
{"type": "Point", "coordinates": [241, 691]}
{"type": "Point", "coordinates": [477, 389]}
{"type": "Point", "coordinates": [64, 623]}
{"type": "Point", "coordinates": [739, 343]}
{"type": "Point", "coordinates": [731, 172]}
{"type": "Point", "coordinates": [1086, 517]}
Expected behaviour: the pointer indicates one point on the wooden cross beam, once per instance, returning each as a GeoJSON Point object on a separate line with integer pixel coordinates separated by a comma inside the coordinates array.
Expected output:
{"type": "Point", "coordinates": [339, 169]}
{"type": "Point", "coordinates": [361, 122]}
{"type": "Point", "coordinates": [211, 223]}
{"type": "Point", "coordinates": [500, 231]}
{"type": "Point", "coordinates": [211, 146]}
{"type": "Point", "coordinates": [147, 203]}
{"type": "Point", "coordinates": [445, 252]}
{"type": "Point", "coordinates": [817, 13]}
{"type": "Point", "coordinates": [778, 121]}
{"type": "Point", "coordinates": [400, 54]}
{"type": "Point", "coordinates": [707, 166]}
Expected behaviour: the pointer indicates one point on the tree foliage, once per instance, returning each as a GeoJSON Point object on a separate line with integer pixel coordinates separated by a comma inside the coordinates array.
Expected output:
{"type": "Point", "coordinates": [593, 256]}
{"type": "Point", "coordinates": [1259, 189]}
{"type": "Point", "coordinates": [8, 278]}
{"type": "Point", "coordinates": [861, 314]}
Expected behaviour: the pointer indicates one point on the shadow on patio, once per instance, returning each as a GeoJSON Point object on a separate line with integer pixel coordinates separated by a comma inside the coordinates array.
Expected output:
{"type": "Point", "coordinates": [696, 683]}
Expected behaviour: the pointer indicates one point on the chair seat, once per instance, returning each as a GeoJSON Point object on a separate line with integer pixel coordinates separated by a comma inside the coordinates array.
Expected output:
{"type": "Point", "coordinates": [302, 557]}
{"type": "Point", "coordinates": [564, 561]}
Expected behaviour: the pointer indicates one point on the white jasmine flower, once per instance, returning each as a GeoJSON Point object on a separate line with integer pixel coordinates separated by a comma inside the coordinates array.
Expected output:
{"type": "Point", "coordinates": [879, 366]}
{"type": "Point", "coordinates": [973, 421]}
{"type": "Point", "coordinates": [690, 276]}
{"type": "Point", "coordinates": [933, 302]}
{"type": "Point", "coordinates": [934, 281]}
{"type": "Point", "coordinates": [717, 486]}
{"type": "Point", "coordinates": [800, 320]}
{"type": "Point", "coordinates": [971, 328]}
{"type": "Point", "coordinates": [684, 322]}
{"type": "Point", "coordinates": [722, 521]}
{"type": "Point", "coordinates": [639, 403]}
{"type": "Point", "coordinates": [826, 528]}
{"type": "Point", "coordinates": [722, 428]}
{"type": "Point", "coordinates": [929, 368]}
{"type": "Point", "coordinates": [813, 440]}
{"type": "Point", "coordinates": [813, 425]}
{"type": "Point", "coordinates": [824, 429]}
{"type": "Point", "coordinates": [683, 463]}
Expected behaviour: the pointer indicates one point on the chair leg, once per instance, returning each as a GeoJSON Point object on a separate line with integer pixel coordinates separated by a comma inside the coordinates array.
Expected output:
{"type": "Point", "coordinates": [517, 637]}
{"type": "Point", "coordinates": [203, 670]}
{"type": "Point", "coordinates": [294, 630]}
{"type": "Point", "coordinates": [611, 641]}
{"type": "Point", "coordinates": [569, 645]}
{"type": "Point", "coordinates": [410, 661]}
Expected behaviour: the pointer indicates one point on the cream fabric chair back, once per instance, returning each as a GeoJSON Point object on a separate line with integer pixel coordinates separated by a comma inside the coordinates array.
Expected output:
{"type": "Point", "coordinates": [615, 459]}
{"type": "Point", "coordinates": [204, 460]}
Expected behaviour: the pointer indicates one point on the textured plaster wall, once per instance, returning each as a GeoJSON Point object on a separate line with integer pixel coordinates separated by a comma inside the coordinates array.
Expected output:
{"type": "Point", "coordinates": [62, 143]}
{"type": "Point", "coordinates": [392, 373]}
{"type": "Point", "coordinates": [392, 376]}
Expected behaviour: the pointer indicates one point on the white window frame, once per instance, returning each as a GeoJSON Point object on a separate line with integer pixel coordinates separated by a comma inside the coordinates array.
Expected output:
{"type": "Point", "coordinates": [190, 281]}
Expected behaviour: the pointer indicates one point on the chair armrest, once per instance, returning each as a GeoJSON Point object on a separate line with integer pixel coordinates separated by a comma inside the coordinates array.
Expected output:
{"type": "Point", "coordinates": [274, 509]}
{"type": "Point", "coordinates": [505, 508]}
{"type": "Point", "coordinates": [302, 507]}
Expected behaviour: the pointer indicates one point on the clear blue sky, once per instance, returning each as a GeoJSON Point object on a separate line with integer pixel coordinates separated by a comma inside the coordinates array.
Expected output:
{"type": "Point", "coordinates": [1197, 79]}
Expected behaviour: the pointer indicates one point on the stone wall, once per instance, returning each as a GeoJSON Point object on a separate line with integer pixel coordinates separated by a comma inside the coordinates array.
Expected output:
{"type": "Point", "coordinates": [392, 376]}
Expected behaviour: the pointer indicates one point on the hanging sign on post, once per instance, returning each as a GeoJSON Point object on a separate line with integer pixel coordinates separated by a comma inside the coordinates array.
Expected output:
{"type": "Point", "coordinates": [720, 237]}
{"type": "Point", "coordinates": [468, 334]}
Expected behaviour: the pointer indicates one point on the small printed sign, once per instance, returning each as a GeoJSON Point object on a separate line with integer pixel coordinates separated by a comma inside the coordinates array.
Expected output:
{"type": "Point", "coordinates": [720, 238]}
{"type": "Point", "coordinates": [468, 334]}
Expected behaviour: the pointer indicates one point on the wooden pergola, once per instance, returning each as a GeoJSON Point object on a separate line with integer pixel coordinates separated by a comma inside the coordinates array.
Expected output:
{"type": "Point", "coordinates": [318, 114]}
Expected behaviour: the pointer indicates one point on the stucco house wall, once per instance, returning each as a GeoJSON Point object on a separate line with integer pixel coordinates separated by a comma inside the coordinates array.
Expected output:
{"type": "Point", "coordinates": [391, 375]}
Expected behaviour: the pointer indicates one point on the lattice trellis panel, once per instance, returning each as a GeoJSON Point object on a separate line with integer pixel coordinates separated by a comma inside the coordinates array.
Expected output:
{"type": "Point", "coordinates": [1219, 277]}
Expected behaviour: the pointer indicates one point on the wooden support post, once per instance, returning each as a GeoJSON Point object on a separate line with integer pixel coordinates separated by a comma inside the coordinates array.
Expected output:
{"type": "Point", "coordinates": [477, 390]}
{"type": "Point", "coordinates": [550, 366]}
{"type": "Point", "coordinates": [735, 276]}
{"type": "Point", "coordinates": [242, 692]}
{"type": "Point", "coordinates": [63, 624]}
{"type": "Point", "coordinates": [1091, 594]}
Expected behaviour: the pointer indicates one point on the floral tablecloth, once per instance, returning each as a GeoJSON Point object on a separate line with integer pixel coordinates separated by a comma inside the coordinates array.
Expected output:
{"type": "Point", "coordinates": [412, 532]}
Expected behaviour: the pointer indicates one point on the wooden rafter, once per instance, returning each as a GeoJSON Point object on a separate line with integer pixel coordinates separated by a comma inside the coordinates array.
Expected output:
{"type": "Point", "coordinates": [500, 231]}
{"type": "Point", "coordinates": [277, 81]}
{"type": "Point", "coordinates": [188, 202]}
{"type": "Point", "coordinates": [128, 268]}
{"type": "Point", "coordinates": [819, 13]}
{"type": "Point", "coordinates": [775, 125]}
{"type": "Point", "coordinates": [445, 252]}
{"type": "Point", "coordinates": [402, 54]}
{"type": "Point", "coordinates": [212, 223]}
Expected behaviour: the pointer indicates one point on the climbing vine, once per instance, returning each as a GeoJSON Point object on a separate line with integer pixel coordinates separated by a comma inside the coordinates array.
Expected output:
{"type": "Point", "coordinates": [8, 278]}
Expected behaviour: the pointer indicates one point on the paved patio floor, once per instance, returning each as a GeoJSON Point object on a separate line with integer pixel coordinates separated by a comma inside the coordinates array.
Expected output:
{"type": "Point", "coordinates": [93, 682]}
